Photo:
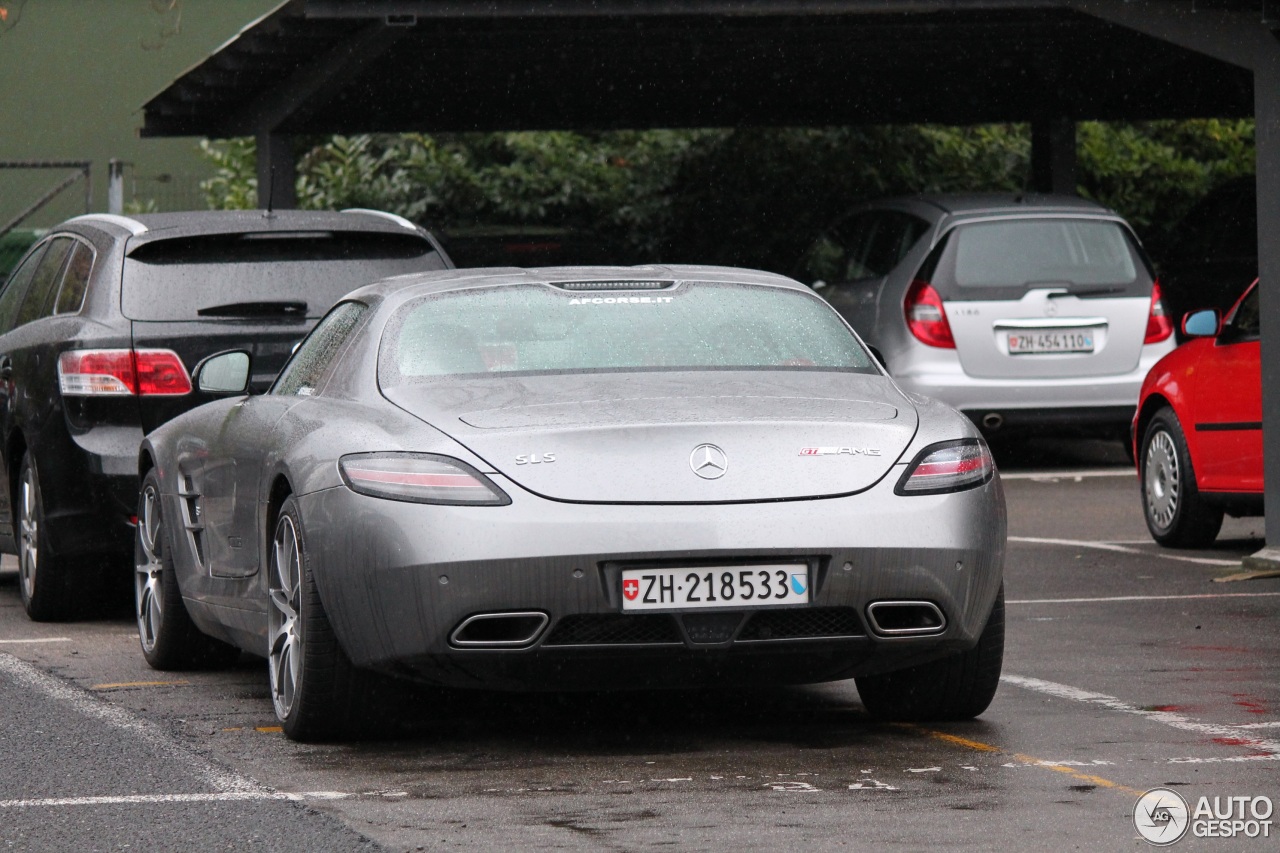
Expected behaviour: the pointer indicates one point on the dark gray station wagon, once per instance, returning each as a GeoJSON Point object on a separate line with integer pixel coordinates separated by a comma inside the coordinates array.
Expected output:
{"type": "Point", "coordinates": [102, 324]}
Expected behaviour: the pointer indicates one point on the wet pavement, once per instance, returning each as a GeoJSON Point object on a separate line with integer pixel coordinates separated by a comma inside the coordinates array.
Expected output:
{"type": "Point", "coordinates": [1127, 667]}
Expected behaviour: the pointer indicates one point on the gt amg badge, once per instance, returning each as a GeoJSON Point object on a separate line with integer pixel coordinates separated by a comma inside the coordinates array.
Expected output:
{"type": "Point", "coordinates": [708, 461]}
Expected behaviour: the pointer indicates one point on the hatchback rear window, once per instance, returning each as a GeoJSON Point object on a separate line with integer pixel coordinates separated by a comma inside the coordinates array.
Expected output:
{"type": "Point", "coordinates": [543, 329]}
{"type": "Point", "coordinates": [262, 275]}
{"type": "Point", "coordinates": [1000, 260]}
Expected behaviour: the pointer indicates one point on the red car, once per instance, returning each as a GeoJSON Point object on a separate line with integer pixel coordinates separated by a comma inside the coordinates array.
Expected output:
{"type": "Point", "coordinates": [1198, 429]}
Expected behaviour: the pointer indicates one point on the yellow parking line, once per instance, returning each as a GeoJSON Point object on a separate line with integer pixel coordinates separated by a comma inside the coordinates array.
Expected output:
{"type": "Point", "coordinates": [979, 746]}
{"type": "Point", "coordinates": [270, 730]}
{"type": "Point", "coordinates": [975, 745]}
{"type": "Point", "coordinates": [1075, 774]}
{"type": "Point", "coordinates": [139, 684]}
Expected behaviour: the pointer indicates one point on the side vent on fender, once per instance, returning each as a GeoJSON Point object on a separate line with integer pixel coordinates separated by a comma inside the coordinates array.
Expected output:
{"type": "Point", "coordinates": [191, 516]}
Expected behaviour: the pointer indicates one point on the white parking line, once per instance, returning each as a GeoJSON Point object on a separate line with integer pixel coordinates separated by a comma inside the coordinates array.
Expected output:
{"type": "Point", "coordinates": [1077, 476]}
{"type": "Point", "coordinates": [220, 797]}
{"type": "Point", "coordinates": [35, 640]}
{"type": "Point", "coordinates": [1141, 598]}
{"type": "Point", "coordinates": [1227, 759]}
{"type": "Point", "coordinates": [1168, 718]}
{"type": "Point", "coordinates": [223, 781]}
{"type": "Point", "coordinates": [1122, 549]}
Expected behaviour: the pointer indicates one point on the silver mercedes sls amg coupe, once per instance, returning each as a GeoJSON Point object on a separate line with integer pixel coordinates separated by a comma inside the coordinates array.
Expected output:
{"type": "Point", "coordinates": [575, 478]}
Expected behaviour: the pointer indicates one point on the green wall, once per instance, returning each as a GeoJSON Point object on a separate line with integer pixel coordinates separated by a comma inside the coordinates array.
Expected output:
{"type": "Point", "coordinates": [74, 75]}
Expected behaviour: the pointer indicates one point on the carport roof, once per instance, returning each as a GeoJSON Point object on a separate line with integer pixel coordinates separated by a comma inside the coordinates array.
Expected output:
{"type": "Point", "coordinates": [348, 66]}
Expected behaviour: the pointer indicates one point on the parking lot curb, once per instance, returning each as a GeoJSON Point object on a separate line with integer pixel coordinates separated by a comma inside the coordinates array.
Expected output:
{"type": "Point", "coordinates": [1263, 564]}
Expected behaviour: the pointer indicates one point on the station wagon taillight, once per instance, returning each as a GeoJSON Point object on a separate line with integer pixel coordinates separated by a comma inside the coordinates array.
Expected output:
{"type": "Point", "coordinates": [925, 316]}
{"type": "Point", "coordinates": [122, 373]}
{"type": "Point", "coordinates": [1159, 325]}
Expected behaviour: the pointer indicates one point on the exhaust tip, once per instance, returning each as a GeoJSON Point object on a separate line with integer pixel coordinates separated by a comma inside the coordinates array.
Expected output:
{"type": "Point", "coordinates": [906, 618]}
{"type": "Point", "coordinates": [992, 421]}
{"type": "Point", "coordinates": [499, 630]}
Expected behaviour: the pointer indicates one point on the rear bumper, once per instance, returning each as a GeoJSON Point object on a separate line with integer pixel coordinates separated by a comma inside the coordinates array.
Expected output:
{"type": "Point", "coordinates": [1110, 419]}
{"type": "Point", "coordinates": [968, 393]}
{"type": "Point", "coordinates": [77, 531]}
{"type": "Point", "coordinates": [1031, 403]}
{"type": "Point", "coordinates": [1045, 405]}
{"type": "Point", "coordinates": [90, 486]}
{"type": "Point", "coordinates": [397, 580]}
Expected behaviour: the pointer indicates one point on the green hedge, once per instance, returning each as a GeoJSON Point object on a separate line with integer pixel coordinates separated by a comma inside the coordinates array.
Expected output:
{"type": "Point", "coordinates": [753, 197]}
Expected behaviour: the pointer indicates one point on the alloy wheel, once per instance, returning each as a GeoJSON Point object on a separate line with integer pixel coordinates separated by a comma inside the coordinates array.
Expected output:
{"type": "Point", "coordinates": [28, 531]}
{"type": "Point", "coordinates": [285, 629]}
{"type": "Point", "coordinates": [1163, 481]}
{"type": "Point", "coordinates": [147, 580]}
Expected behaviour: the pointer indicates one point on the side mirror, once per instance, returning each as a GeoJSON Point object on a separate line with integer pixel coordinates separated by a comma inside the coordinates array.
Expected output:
{"type": "Point", "coordinates": [1201, 324]}
{"type": "Point", "coordinates": [879, 357]}
{"type": "Point", "coordinates": [224, 373]}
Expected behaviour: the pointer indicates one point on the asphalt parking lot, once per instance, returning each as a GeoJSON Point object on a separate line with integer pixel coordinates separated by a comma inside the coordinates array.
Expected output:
{"type": "Point", "coordinates": [1127, 667]}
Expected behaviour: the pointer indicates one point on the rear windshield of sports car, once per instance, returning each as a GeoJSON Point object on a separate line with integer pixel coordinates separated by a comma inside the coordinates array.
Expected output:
{"type": "Point", "coordinates": [530, 329]}
{"type": "Point", "coordinates": [263, 275]}
{"type": "Point", "coordinates": [1004, 259]}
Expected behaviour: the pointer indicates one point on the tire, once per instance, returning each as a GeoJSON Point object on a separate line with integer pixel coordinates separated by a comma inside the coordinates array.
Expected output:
{"type": "Point", "coordinates": [1175, 513]}
{"type": "Point", "coordinates": [44, 581]}
{"type": "Point", "coordinates": [169, 639]}
{"type": "Point", "coordinates": [958, 687]}
{"type": "Point", "coordinates": [317, 693]}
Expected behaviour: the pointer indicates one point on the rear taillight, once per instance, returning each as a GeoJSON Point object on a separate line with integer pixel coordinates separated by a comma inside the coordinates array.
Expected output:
{"type": "Point", "coordinates": [419, 478]}
{"type": "Point", "coordinates": [122, 373]}
{"type": "Point", "coordinates": [160, 371]}
{"type": "Point", "coordinates": [951, 466]}
{"type": "Point", "coordinates": [925, 316]}
{"type": "Point", "coordinates": [1159, 326]}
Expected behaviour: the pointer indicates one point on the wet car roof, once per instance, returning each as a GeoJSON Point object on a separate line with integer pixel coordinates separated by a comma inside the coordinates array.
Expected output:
{"type": "Point", "coordinates": [164, 226]}
{"type": "Point", "coordinates": [953, 206]}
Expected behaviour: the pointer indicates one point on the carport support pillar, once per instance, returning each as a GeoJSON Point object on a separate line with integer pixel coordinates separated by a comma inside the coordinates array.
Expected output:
{"type": "Point", "coordinates": [1053, 155]}
{"type": "Point", "coordinates": [115, 186]}
{"type": "Point", "coordinates": [277, 171]}
{"type": "Point", "coordinates": [1266, 94]}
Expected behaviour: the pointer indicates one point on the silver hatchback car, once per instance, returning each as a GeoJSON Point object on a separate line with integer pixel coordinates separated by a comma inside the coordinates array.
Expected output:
{"type": "Point", "coordinates": [1036, 313]}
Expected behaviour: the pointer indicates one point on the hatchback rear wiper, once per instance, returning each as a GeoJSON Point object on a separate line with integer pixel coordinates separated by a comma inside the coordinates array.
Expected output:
{"type": "Point", "coordinates": [1086, 292]}
{"type": "Point", "coordinates": [256, 309]}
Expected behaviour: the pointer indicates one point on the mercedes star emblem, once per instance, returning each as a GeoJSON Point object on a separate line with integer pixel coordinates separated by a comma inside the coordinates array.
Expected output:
{"type": "Point", "coordinates": [708, 461]}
